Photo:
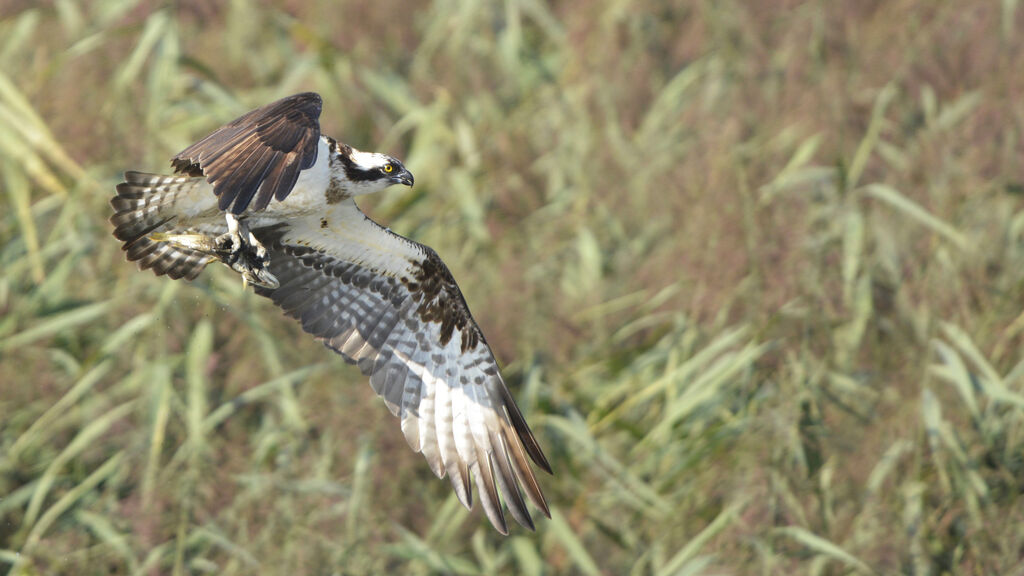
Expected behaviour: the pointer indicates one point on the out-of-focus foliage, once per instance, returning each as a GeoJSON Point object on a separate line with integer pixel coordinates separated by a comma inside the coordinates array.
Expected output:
{"type": "Point", "coordinates": [754, 271]}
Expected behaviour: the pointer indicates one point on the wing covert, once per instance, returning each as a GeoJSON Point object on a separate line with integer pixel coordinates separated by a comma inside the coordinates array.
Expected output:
{"type": "Point", "coordinates": [257, 156]}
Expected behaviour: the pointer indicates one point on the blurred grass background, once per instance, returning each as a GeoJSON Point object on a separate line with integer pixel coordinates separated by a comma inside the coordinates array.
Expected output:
{"type": "Point", "coordinates": [754, 271]}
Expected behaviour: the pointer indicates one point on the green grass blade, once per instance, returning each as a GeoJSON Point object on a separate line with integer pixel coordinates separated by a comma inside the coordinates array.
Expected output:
{"type": "Point", "coordinates": [55, 324]}
{"type": "Point", "coordinates": [197, 358]}
{"type": "Point", "coordinates": [870, 140]}
{"type": "Point", "coordinates": [81, 442]}
{"type": "Point", "coordinates": [687, 554]}
{"type": "Point", "coordinates": [824, 547]}
{"type": "Point", "coordinates": [68, 499]}
{"type": "Point", "coordinates": [560, 531]}
{"type": "Point", "coordinates": [18, 192]}
{"type": "Point", "coordinates": [104, 530]}
{"type": "Point", "coordinates": [40, 431]}
{"type": "Point", "coordinates": [914, 211]}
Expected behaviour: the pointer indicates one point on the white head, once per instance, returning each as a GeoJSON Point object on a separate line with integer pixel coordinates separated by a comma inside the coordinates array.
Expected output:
{"type": "Point", "coordinates": [360, 172]}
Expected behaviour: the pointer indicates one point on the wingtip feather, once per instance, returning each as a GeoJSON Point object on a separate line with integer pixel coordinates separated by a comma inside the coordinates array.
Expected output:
{"type": "Point", "coordinates": [507, 481]}
{"type": "Point", "coordinates": [489, 494]}
{"type": "Point", "coordinates": [522, 430]}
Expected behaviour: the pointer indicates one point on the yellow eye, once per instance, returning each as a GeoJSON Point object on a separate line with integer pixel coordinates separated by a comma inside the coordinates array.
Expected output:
{"type": "Point", "coordinates": [388, 168]}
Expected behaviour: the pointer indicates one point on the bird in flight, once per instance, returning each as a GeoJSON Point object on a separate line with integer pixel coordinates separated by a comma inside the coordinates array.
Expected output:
{"type": "Point", "coordinates": [272, 198]}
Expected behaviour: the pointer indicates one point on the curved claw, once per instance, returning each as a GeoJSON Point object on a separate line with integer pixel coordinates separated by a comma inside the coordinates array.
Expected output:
{"type": "Point", "coordinates": [243, 253]}
{"type": "Point", "coordinates": [258, 277]}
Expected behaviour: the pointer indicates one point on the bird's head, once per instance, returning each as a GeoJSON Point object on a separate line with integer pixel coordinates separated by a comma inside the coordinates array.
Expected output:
{"type": "Point", "coordinates": [369, 172]}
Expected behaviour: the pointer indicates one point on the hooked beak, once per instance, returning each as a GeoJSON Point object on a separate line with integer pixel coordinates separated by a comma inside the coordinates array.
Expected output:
{"type": "Point", "coordinates": [404, 177]}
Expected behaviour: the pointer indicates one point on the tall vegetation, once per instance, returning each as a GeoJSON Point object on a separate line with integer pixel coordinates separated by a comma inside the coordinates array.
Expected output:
{"type": "Point", "coordinates": [754, 271]}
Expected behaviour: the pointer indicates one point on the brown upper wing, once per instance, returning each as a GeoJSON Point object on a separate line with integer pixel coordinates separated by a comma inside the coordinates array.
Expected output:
{"type": "Point", "coordinates": [258, 155]}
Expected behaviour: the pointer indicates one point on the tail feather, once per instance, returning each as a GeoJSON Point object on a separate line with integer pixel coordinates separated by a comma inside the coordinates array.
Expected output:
{"type": "Point", "coordinates": [143, 205]}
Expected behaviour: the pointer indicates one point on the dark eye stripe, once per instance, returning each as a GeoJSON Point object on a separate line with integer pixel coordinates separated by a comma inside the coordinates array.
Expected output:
{"type": "Point", "coordinates": [359, 175]}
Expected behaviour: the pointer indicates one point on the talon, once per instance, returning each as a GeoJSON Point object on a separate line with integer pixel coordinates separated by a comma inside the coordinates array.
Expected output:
{"type": "Point", "coordinates": [260, 278]}
{"type": "Point", "coordinates": [240, 250]}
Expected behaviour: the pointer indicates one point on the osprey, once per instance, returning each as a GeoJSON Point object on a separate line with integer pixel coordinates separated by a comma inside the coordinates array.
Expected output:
{"type": "Point", "coordinates": [272, 198]}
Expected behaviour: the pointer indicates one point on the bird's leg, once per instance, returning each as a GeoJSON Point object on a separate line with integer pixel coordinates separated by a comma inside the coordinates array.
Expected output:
{"type": "Point", "coordinates": [244, 253]}
{"type": "Point", "coordinates": [238, 248]}
{"type": "Point", "coordinates": [232, 240]}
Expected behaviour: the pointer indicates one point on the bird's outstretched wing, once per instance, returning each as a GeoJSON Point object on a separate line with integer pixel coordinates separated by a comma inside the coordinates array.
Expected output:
{"type": "Point", "coordinates": [258, 155]}
{"type": "Point", "coordinates": [390, 306]}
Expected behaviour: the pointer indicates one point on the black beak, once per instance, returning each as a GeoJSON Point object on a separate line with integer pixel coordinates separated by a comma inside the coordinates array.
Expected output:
{"type": "Point", "coordinates": [403, 177]}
